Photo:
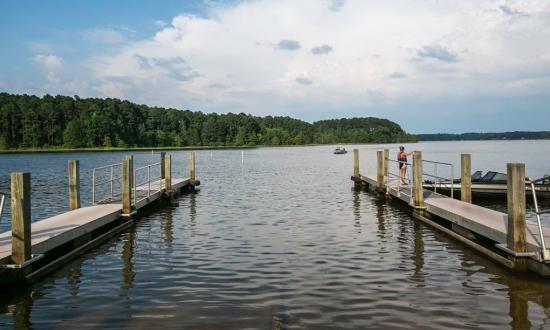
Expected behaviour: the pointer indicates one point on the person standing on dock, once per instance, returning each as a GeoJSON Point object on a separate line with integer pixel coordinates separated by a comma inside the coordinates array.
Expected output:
{"type": "Point", "coordinates": [402, 159]}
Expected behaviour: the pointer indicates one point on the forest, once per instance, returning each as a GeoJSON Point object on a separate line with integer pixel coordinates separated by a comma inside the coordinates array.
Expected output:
{"type": "Point", "coordinates": [28, 121]}
{"type": "Point", "coordinates": [517, 135]}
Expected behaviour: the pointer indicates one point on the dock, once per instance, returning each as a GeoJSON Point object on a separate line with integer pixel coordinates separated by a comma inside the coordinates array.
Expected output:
{"type": "Point", "coordinates": [507, 239]}
{"type": "Point", "coordinates": [32, 250]}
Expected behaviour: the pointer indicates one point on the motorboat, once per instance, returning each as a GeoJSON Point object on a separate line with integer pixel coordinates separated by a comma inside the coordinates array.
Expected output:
{"type": "Point", "coordinates": [491, 184]}
{"type": "Point", "coordinates": [340, 150]}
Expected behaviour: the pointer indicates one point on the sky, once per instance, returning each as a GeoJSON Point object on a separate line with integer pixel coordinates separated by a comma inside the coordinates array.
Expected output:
{"type": "Point", "coordinates": [430, 65]}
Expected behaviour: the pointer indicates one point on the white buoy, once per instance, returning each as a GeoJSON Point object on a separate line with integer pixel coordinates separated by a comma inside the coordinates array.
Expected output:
{"type": "Point", "coordinates": [242, 157]}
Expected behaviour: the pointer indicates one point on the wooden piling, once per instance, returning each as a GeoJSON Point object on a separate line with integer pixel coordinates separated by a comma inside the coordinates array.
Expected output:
{"type": "Point", "coordinates": [380, 169]}
{"type": "Point", "coordinates": [192, 166]}
{"type": "Point", "coordinates": [418, 190]}
{"type": "Point", "coordinates": [168, 172]}
{"type": "Point", "coordinates": [74, 184]}
{"type": "Point", "coordinates": [356, 163]}
{"type": "Point", "coordinates": [466, 178]}
{"type": "Point", "coordinates": [20, 217]}
{"type": "Point", "coordinates": [386, 162]}
{"type": "Point", "coordinates": [127, 182]}
{"type": "Point", "coordinates": [517, 239]}
{"type": "Point", "coordinates": [162, 165]}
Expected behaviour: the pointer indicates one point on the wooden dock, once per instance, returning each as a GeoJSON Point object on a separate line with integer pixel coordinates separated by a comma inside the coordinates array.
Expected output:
{"type": "Point", "coordinates": [480, 228]}
{"type": "Point", "coordinates": [55, 240]}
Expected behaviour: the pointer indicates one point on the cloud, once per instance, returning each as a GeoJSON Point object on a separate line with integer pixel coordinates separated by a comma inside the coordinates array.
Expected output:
{"type": "Point", "coordinates": [51, 64]}
{"type": "Point", "coordinates": [289, 44]}
{"type": "Point", "coordinates": [436, 52]}
{"type": "Point", "coordinates": [224, 60]}
{"type": "Point", "coordinates": [102, 36]}
{"type": "Point", "coordinates": [336, 5]}
{"type": "Point", "coordinates": [397, 75]}
{"type": "Point", "coordinates": [509, 11]}
{"type": "Point", "coordinates": [321, 50]}
{"type": "Point", "coordinates": [304, 81]}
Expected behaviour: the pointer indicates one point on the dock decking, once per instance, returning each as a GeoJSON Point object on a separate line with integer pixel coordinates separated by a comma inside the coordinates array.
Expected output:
{"type": "Point", "coordinates": [55, 231]}
{"type": "Point", "coordinates": [478, 220]}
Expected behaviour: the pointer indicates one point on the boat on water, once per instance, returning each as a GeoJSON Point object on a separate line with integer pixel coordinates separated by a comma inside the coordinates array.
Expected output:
{"type": "Point", "coordinates": [340, 150]}
{"type": "Point", "coordinates": [491, 185]}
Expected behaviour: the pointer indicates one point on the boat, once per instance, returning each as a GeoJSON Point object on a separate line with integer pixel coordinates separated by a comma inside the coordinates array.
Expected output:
{"type": "Point", "coordinates": [491, 185]}
{"type": "Point", "coordinates": [340, 150]}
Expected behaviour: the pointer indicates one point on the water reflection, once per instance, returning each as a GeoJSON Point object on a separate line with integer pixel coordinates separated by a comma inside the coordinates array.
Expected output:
{"type": "Point", "coordinates": [418, 256]}
{"type": "Point", "coordinates": [357, 209]}
{"type": "Point", "coordinates": [128, 273]}
{"type": "Point", "coordinates": [288, 244]}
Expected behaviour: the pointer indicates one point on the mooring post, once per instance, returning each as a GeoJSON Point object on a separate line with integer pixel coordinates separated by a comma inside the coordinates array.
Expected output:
{"type": "Point", "coordinates": [168, 172]}
{"type": "Point", "coordinates": [192, 166]}
{"type": "Point", "coordinates": [386, 163]}
{"type": "Point", "coordinates": [162, 165]}
{"type": "Point", "coordinates": [74, 184]}
{"type": "Point", "coordinates": [517, 239]}
{"type": "Point", "coordinates": [126, 186]}
{"type": "Point", "coordinates": [356, 163]}
{"type": "Point", "coordinates": [20, 217]}
{"type": "Point", "coordinates": [465, 178]}
{"type": "Point", "coordinates": [418, 189]}
{"type": "Point", "coordinates": [380, 169]}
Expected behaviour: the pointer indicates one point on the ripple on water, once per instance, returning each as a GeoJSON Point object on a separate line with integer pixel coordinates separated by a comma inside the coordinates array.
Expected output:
{"type": "Point", "coordinates": [257, 247]}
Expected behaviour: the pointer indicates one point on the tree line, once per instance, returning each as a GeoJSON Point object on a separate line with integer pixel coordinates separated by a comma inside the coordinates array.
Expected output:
{"type": "Point", "coordinates": [28, 121]}
{"type": "Point", "coordinates": [517, 135]}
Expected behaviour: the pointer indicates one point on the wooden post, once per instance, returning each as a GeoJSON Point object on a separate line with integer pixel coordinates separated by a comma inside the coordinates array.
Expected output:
{"type": "Point", "coordinates": [356, 163]}
{"type": "Point", "coordinates": [162, 165]}
{"type": "Point", "coordinates": [418, 190]}
{"type": "Point", "coordinates": [168, 172]}
{"type": "Point", "coordinates": [20, 217]}
{"type": "Point", "coordinates": [380, 169]}
{"type": "Point", "coordinates": [126, 186]}
{"type": "Point", "coordinates": [74, 185]}
{"type": "Point", "coordinates": [465, 178]}
{"type": "Point", "coordinates": [386, 162]}
{"type": "Point", "coordinates": [517, 240]}
{"type": "Point", "coordinates": [192, 166]}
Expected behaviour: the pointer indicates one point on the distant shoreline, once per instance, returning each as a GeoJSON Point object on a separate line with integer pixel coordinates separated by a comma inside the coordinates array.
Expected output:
{"type": "Point", "coordinates": [101, 149]}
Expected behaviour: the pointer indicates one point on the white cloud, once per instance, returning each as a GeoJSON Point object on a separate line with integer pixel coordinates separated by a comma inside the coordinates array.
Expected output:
{"type": "Point", "coordinates": [470, 47]}
{"type": "Point", "coordinates": [51, 64]}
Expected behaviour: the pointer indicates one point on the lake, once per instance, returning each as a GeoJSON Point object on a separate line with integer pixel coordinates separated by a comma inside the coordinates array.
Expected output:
{"type": "Point", "coordinates": [280, 239]}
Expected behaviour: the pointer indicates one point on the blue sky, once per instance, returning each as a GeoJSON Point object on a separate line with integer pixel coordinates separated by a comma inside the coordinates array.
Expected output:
{"type": "Point", "coordinates": [432, 66]}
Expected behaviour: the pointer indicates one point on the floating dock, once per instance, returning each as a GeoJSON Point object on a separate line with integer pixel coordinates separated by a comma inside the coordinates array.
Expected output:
{"type": "Point", "coordinates": [510, 240]}
{"type": "Point", "coordinates": [31, 250]}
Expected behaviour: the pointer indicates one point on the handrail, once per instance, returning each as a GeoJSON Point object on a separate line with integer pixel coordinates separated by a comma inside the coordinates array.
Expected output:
{"type": "Point", "coordinates": [407, 179]}
{"type": "Point", "coordinates": [539, 225]}
{"type": "Point", "coordinates": [106, 166]}
{"type": "Point", "coordinates": [434, 162]}
{"type": "Point", "coordinates": [147, 182]}
{"type": "Point", "coordinates": [2, 199]}
{"type": "Point", "coordinates": [111, 180]}
{"type": "Point", "coordinates": [451, 180]}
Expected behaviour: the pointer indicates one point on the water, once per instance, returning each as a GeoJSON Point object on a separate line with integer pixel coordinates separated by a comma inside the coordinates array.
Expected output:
{"type": "Point", "coordinates": [281, 240]}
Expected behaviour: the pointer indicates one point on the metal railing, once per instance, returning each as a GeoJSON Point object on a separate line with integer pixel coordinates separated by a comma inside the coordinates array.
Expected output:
{"type": "Point", "coordinates": [111, 181]}
{"type": "Point", "coordinates": [439, 180]}
{"type": "Point", "coordinates": [2, 200]}
{"type": "Point", "coordinates": [147, 182]}
{"type": "Point", "coordinates": [538, 212]}
{"type": "Point", "coordinates": [398, 176]}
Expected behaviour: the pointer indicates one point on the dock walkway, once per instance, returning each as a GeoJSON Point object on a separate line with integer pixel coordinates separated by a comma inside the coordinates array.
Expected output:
{"type": "Point", "coordinates": [55, 231]}
{"type": "Point", "coordinates": [478, 220]}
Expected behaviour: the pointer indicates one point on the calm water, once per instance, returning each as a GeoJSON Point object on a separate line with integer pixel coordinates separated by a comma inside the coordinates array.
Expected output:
{"type": "Point", "coordinates": [281, 239]}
